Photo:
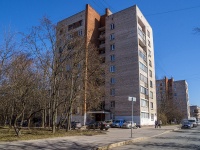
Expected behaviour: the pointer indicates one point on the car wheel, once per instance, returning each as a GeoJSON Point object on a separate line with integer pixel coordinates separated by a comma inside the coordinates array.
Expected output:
{"type": "Point", "coordinates": [106, 129]}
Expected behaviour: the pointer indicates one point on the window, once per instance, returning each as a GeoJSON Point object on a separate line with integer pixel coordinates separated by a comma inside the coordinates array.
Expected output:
{"type": "Point", "coordinates": [143, 78]}
{"type": "Point", "coordinates": [80, 33]}
{"type": "Point", "coordinates": [151, 95]}
{"type": "Point", "coordinates": [112, 68]}
{"type": "Point", "coordinates": [70, 36]}
{"type": "Point", "coordinates": [68, 67]}
{"type": "Point", "coordinates": [149, 53]}
{"type": "Point", "coordinates": [150, 64]}
{"type": "Point", "coordinates": [152, 117]}
{"type": "Point", "coordinates": [143, 56]}
{"type": "Point", "coordinates": [112, 104]}
{"type": "Point", "coordinates": [144, 103]}
{"type": "Point", "coordinates": [112, 26]}
{"type": "Point", "coordinates": [112, 47]}
{"type": "Point", "coordinates": [144, 115]}
{"type": "Point", "coordinates": [112, 36]}
{"type": "Point", "coordinates": [149, 43]}
{"type": "Point", "coordinates": [75, 25]}
{"type": "Point", "coordinates": [143, 90]}
{"type": "Point", "coordinates": [151, 105]}
{"type": "Point", "coordinates": [112, 80]}
{"type": "Point", "coordinates": [151, 83]}
{"type": "Point", "coordinates": [143, 67]}
{"type": "Point", "coordinates": [112, 57]}
{"type": "Point", "coordinates": [112, 92]}
{"type": "Point", "coordinates": [148, 33]}
{"type": "Point", "coordinates": [150, 73]}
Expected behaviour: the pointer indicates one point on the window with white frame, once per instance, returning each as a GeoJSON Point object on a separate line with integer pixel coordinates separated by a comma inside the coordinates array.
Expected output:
{"type": "Point", "coordinates": [151, 95]}
{"type": "Point", "coordinates": [112, 47]}
{"type": "Point", "coordinates": [144, 115]}
{"type": "Point", "coordinates": [149, 43]}
{"type": "Point", "coordinates": [150, 64]}
{"type": "Point", "coordinates": [143, 78]}
{"type": "Point", "coordinates": [112, 57]}
{"type": "Point", "coordinates": [143, 67]}
{"type": "Point", "coordinates": [112, 68]}
{"type": "Point", "coordinates": [112, 26]}
{"type": "Point", "coordinates": [150, 73]}
{"type": "Point", "coordinates": [151, 105]}
{"type": "Point", "coordinates": [148, 33]}
{"type": "Point", "coordinates": [152, 117]}
{"type": "Point", "coordinates": [143, 56]}
{"type": "Point", "coordinates": [144, 103]}
{"type": "Point", "coordinates": [112, 36]}
{"type": "Point", "coordinates": [149, 53]}
{"type": "Point", "coordinates": [143, 90]}
{"type": "Point", "coordinates": [151, 83]}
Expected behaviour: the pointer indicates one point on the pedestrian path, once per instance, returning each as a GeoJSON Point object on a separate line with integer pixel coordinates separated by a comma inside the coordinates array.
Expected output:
{"type": "Point", "coordinates": [113, 137]}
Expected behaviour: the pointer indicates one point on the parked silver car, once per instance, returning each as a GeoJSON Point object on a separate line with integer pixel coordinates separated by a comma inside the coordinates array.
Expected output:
{"type": "Point", "coordinates": [128, 124]}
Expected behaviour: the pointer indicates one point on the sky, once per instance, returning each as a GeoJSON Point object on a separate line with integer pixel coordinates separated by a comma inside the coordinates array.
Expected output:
{"type": "Point", "coordinates": [176, 44]}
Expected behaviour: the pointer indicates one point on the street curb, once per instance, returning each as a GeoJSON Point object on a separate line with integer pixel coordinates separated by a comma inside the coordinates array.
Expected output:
{"type": "Point", "coordinates": [107, 147]}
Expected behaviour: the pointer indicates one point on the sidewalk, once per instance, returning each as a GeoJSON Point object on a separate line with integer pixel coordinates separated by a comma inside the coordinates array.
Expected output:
{"type": "Point", "coordinates": [114, 137]}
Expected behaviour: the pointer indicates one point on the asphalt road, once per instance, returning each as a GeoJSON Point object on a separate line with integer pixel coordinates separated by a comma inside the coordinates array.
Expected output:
{"type": "Point", "coordinates": [183, 139]}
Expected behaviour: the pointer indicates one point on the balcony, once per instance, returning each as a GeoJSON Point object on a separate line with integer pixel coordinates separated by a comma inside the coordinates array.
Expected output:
{"type": "Point", "coordinates": [102, 37]}
{"type": "Point", "coordinates": [102, 28]}
{"type": "Point", "coordinates": [101, 46]}
{"type": "Point", "coordinates": [142, 37]}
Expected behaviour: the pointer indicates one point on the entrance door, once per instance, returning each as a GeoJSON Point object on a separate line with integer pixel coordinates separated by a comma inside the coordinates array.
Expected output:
{"type": "Point", "coordinates": [99, 117]}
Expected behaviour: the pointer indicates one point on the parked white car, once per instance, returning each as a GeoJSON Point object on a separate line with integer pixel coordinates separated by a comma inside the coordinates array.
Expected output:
{"type": "Point", "coordinates": [127, 125]}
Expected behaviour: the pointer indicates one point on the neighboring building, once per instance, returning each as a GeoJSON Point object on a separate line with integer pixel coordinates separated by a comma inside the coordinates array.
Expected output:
{"type": "Point", "coordinates": [174, 93]}
{"type": "Point", "coordinates": [195, 111]}
{"type": "Point", "coordinates": [125, 41]}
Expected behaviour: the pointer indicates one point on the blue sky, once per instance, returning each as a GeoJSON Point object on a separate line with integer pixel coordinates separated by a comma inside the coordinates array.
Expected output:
{"type": "Point", "coordinates": [177, 47]}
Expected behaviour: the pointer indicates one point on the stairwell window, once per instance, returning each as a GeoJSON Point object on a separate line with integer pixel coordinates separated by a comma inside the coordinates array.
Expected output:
{"type": "Point", "coordinates": [150, 73]}
{"type": "Point", "coordinates": [151, 95]}
{"type": "Point", "coordinates": [112, 104]}
{"type": "Point", "coordinates": [151, 84]}
{"type": "Point", "coordinates": [150, 64]}
{"type": "Point", "coordinates": [112, 68]}
{"type": "Point", "coordinates": [112, 47]}
{"type": "Point", "coordinates": [112, 26]}
{"type": "Point", "coordinates": [112, 92]}
{"type": "Point", "coordinates": [112, 58]}
{"type": "Point", "coordinates": [151, 105]}
{"type": "Point", "coordinates": [112, 36]}
{"type": "Point", "coordinates": [112, 80]}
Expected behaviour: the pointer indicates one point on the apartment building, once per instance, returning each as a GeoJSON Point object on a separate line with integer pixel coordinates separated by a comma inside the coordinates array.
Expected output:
{"type": "Point", "coordinates": [195, 111]}
{"type": "Point", "coordinates": [175, 93]}
{"type": "Point", "coordinates": [125, 41]}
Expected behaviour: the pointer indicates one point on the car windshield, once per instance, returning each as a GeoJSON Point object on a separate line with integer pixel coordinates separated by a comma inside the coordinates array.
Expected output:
{"type": "Point", "coordinates": [191, 120]}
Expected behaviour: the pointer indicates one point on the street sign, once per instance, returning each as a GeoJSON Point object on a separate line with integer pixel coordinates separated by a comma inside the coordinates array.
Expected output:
{"type": "Point", "coordinates": [132, 98]}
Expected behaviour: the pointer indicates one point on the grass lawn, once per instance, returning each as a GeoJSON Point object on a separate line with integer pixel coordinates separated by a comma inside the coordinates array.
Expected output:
{"type": "Point", "coordinates": [7, 134]}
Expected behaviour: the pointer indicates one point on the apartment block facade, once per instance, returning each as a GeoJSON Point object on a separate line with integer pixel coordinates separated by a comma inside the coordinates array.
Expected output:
{"type": "Point", "coordinates": [176, 93]}
{"type": "Point", "coordinates": [195, 112]}
{"type": "Point", "coordinates": [125, 42]}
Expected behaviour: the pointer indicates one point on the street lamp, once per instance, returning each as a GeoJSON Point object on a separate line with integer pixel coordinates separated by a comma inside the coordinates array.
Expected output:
{"type": "Point", "coordinates": [133, 99]}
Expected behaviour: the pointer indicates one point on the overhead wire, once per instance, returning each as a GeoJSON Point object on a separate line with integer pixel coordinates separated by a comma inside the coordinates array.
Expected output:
{"type": "Point", "coordinates": [171, 11]}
